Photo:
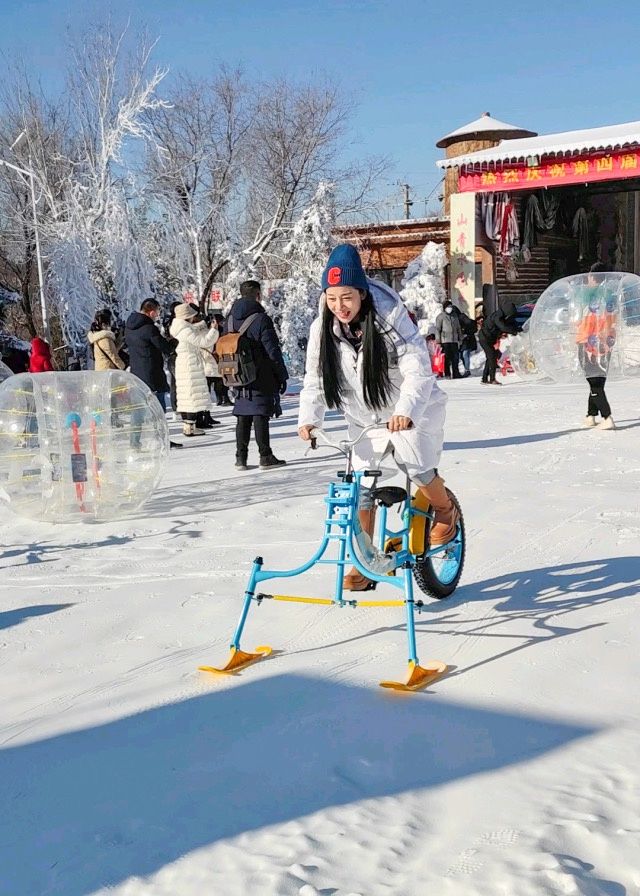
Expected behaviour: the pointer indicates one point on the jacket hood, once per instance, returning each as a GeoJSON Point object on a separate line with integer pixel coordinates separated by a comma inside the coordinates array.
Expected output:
{"type": "Point", "coordinates": [40, 348]}
{"type": "Point", "coordinates": [178, 325]}
{"type": "Point", "coordinates": [94, 336]}
{"type": "Point", "coordinates": [136, 320]}
{"type": "Point", "coordinates": [244, 308]}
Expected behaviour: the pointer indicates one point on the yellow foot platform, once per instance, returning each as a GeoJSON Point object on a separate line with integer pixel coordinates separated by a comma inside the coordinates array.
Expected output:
{"type": "Point", "coordinates": [419, 676]}
{"type": "Point", "coordinates": [238, 659]}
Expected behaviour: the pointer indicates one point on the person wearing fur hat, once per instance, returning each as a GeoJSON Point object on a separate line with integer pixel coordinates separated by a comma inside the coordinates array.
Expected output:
{"type": "Point", "coordinates": [103, 343]}
{"type": "Point", "coordinates": [193, 335]}
{"type": "Point", "coordinates": [366, 357]}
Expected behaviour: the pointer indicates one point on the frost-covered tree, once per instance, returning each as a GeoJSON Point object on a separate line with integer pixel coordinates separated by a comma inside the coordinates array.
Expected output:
{"type": "Point", "coordinates": [423, 289]}
{"type": "Point", "coordinates": [307, 253]}
{"type": "Point", "coordinates": [80, 152]}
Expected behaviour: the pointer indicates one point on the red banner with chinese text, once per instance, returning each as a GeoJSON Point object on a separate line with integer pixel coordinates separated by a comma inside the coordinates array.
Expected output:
{"type": "Point", "coordinates": [577, 170]}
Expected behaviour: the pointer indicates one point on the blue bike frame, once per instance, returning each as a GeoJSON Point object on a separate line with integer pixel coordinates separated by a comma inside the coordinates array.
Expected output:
{"type": "Point", "coordinates": [341, 515]}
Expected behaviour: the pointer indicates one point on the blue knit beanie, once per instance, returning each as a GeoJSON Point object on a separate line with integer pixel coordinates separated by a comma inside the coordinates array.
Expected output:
{"type": "Point", "coordinates": [344, 268]}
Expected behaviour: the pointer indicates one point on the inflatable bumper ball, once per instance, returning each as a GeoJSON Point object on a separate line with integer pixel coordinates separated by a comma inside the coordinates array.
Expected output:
{"type": "Point", "coordinates": [588, 325]}
{"type": "Point", "coordinates": [90, 445]}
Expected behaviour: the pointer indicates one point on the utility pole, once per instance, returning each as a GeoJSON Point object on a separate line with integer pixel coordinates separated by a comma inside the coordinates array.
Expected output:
{"type": "Point", "coordinates": [407, 201]}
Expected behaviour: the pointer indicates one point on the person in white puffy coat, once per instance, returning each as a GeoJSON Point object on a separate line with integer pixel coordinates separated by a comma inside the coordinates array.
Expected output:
{"type": "Point", "coordinates": [366, 357]}
{"type": "Point", "coordinates": [193, 336]}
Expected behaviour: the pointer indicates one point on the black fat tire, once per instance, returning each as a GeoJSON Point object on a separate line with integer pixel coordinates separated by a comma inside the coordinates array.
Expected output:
{"type": "Point", "coordinates": [424, 573]}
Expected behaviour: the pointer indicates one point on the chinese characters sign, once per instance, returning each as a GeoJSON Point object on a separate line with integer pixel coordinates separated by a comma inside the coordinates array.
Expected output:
{"type": "Point", "coordinates": [463, 251]}
{"type": "Point", "coordinates": [576, 170]}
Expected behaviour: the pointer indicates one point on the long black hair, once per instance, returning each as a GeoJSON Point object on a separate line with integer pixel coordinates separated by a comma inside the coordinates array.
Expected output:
{"type": "Point", "coordinates": [375, 359]}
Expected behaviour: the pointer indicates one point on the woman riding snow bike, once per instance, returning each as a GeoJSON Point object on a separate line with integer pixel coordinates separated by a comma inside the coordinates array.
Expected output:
{"type": "Point", "coordinates": [366, 356]}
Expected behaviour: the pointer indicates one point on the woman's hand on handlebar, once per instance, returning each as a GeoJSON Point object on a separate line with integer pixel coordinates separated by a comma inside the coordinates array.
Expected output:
{"type": "Point", "coordinates": [398, 423]}
{"type": "Point", "coordinates": [305, 431]}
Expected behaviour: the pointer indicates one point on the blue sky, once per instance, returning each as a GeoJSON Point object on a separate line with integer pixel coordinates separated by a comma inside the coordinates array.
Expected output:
{"type": "Point", "coordinates": [416, 69]}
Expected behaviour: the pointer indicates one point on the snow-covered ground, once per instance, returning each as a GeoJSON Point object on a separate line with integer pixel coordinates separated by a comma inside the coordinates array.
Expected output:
{"type": "Point", "coordinates": [124, 770]}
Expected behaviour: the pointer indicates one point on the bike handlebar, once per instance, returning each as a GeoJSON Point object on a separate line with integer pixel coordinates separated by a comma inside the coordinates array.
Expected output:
{"type": "Point", "coordinates": [344, 445]}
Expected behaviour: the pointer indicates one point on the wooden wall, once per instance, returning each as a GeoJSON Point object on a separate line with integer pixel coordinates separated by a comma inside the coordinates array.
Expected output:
{"type": "Point", "coordinates": [393, 245]}
{"type": "Point", "coordinates": [451, 174]}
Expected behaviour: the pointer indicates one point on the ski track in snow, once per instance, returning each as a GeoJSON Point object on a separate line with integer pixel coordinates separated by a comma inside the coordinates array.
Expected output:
{"type": "Point", "coordinates": [128, 772]}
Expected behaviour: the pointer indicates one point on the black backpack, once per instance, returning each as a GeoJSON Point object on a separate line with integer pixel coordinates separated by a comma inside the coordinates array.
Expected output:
{"type": "Point", "coordinates": [235, 357]}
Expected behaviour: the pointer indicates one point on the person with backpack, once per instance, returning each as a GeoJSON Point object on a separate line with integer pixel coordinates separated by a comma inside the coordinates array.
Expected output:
{"type": "Point", "coordinates": [103, 342]}
{"type": "Point", "coordinates": [250, 361]}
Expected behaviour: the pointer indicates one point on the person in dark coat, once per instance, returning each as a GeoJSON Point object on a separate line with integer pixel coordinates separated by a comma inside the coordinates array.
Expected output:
{"type": "Point", "coordinates": [147, 347]}
{"type": "Point", "coordinates": [469, 342]}
{"type": "Point", "coordinates": [219, 388]}
{"type": "Point", "coordinates": [257, 402]}
{"type": "Point", "coordinates": [494, 326]}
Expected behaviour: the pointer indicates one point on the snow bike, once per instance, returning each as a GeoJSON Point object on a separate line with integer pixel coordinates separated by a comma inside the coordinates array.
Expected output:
{"type": "Point", "coordinates": [400, 557]}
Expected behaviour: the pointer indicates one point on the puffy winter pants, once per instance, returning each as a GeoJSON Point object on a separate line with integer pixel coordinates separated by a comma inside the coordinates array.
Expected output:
{"type": "Point", "coordinates": [597, 399]}
{"type": "Point", "coordinates": [491, 362]}
{"type": "Point", "coordinates": [243, 434]}
{"type": "Point", "coordinates": [450, 350]}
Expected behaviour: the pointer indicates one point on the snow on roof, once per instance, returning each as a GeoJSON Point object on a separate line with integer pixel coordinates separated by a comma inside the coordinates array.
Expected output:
{"type": "Point", "coordinates": [485, 127]}
{"type": "Point", "coordinates": [399, 223]}
{"type": "Point", "coordinates": [607, 138]}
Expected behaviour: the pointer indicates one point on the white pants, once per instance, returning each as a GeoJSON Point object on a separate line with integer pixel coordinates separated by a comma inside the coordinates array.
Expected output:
{"type": "Point", "coordinates": [415, 451]}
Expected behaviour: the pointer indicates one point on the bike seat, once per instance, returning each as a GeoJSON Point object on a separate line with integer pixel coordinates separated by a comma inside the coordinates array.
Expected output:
{"type": "Point", "coordinates": [388, 495]}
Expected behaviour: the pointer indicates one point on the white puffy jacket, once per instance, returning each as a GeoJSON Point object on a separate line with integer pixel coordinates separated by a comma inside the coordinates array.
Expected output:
{"type": "Point", "coordinates": [191, 382]}
{"type": "Point", "coordinates": [414, 387]}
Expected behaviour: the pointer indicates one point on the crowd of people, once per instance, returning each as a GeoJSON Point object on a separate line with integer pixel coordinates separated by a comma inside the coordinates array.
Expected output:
{"type": "Point", "coordinates": [175, 354]}
{"type": "Point", "coordinates": [185, 345]}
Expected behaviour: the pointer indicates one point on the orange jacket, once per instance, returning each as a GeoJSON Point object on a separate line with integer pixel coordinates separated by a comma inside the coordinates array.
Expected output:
{"type": "Point", "coordinates": [597, 331]}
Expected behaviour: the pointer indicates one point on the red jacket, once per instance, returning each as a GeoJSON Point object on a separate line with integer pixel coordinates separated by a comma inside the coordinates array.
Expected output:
{"type": "Point", "coordinates": [40, 356]}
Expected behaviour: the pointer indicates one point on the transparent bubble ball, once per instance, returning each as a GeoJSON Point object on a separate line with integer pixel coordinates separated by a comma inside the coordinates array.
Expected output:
{"type": "Point", "coordinates": [5, 372]}
{"type": "Point", "coordinates": [89, 445]}
{"type": "Point", "coordinates": [521, 355]}
{"type": "Point", "coordinates": [588, 325]}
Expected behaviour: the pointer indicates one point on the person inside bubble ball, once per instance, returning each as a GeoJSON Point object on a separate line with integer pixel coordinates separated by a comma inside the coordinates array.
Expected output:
{"type": "Point", "coordinates": [595, 338]}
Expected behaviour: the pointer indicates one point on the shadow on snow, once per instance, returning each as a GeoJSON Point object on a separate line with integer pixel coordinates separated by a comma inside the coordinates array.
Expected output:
{"type": "Point", "coordinates": [9, 618]}
{"type": "Point", "coordinates": [539, 599]}
{"type": "Point", "coordinates": [88, 809]}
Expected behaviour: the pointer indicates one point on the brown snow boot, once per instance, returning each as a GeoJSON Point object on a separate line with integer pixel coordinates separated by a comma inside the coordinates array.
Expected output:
{"type": "Point", "coordinates": [354, 580]}
{"type": "Point", "coordinates": [443, 529]}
